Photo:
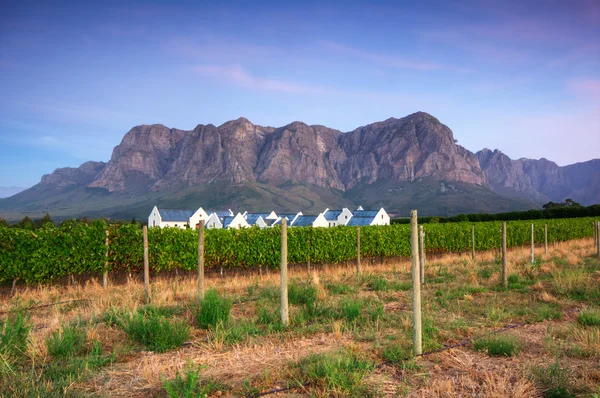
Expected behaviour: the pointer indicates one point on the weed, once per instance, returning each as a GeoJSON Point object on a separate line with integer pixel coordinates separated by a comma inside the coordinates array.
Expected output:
{"type": "Point", "coordinates": [214, 308]}
{"type": "Point", "coordinates": [156, 332]}
{"type": "Point", "coordinates": [266, 315]}
{"type": "Point", "coordinates": [498, 346]}
{"type": "Point", "coordinates": [340, 288]}
{"type": "Point", "coordinates": [188, 385]}
{"type": "Point", "coordinates": [554, 380]}
{"type": "Point", "coordinates": [339, 374]}
{"type": "Point", "coordinates": [379, 284]}
{"type": "Point", "coordinates": [589, 318]}
{"type": "Point", "coordinates": [14, 333]}
{"type": "Point", "coordinates": [350, 309]}
{"type": "Point", "coordinates": [67, 342]}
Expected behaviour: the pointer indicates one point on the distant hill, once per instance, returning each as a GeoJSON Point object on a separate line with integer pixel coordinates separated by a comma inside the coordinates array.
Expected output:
{"type": "Point", "coordinates": [411, 162]}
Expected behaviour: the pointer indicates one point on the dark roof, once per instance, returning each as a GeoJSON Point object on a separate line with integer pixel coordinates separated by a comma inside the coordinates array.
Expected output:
{"type": "Point", "coordinates": [253, 218]}
{"type": "Point", "coordinates": [270, 221]}
{"type": "Point", "coordinates": [360, 221]}
{"type": "Point", "coordinates": [365, 213]}
{"type": "Point", "coordinates": [287, 215]}
{"type": "Point", "coordinates": [171, 215]}
{"type": "Point", "coordinates": [332, 215]}
{"type": "Point", "coordinates": [304, 221]}
{"type": "Point", "coordinates": [227, 220]}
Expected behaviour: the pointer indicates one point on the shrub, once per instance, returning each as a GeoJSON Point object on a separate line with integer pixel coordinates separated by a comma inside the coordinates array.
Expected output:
{"type": "Point", "coordinates": [156, 332]}
{"type": "Point", "coordinates": [589, 318]}
{"type": "Point", "coordinates": [497, 346]}
{"type": "Point", "coordinates": [350, 309]}
{"type": "Point", "coordinates": [14, 333]}
{"type": "Point", "coordinates": [187, 385]}
{"type": "Point", "coordinates": [214, 309]}
{"type": "Point", "coordinates": [340, 373]}
{"type": "Point", "coordinates": [67, 342]}
{"type": "Point", "coordinates": [554, 380]}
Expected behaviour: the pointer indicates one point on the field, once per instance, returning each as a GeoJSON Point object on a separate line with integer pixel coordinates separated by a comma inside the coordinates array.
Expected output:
{"type": "Point", "coordinates": [350, 335]}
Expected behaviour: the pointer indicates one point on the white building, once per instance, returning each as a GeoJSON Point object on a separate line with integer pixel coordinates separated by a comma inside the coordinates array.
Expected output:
{"type": "Point", "coordinates": [362, 217]}
{"type": "Point", "coordinates": [310, 221]}
{"type": "Point", "coordinates": [176, 218]}
{"type": "Point", "coordinates": [337, 217]}
{"type": "Point", "coordinates": [238, 221]}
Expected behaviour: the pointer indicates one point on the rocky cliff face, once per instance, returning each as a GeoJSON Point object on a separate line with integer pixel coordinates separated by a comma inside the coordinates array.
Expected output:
{"type": "Point", "coordinates": [413, 148]}
{"type": "Point", "coordinates": [416, 146]}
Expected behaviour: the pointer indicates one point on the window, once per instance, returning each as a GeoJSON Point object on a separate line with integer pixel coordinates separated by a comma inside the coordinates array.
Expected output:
{"type": "Point", "coordinates": [154, 223]}
{"type": "Point", "coordinates": [382, 216]}
{"type": "Point", "coordinates": [175, 224]}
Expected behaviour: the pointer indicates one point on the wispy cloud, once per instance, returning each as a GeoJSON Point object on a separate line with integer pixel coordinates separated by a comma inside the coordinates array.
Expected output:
{"type": "Point", "coordinates": [237, 75]}
{"type": "Point", "coordinates": [390, 61]}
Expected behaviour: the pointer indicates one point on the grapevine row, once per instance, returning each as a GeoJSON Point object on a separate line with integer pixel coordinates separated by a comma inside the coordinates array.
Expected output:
{"type": "Point", "coordinates": [51, 252]}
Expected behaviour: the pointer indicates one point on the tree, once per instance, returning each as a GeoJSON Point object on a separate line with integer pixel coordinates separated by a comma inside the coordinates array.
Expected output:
{"type": "Point", "coordinates": [25, 223]}
{"type": "Point", "coordinates": [133, 221]}
{"type": "Point", "coordinates": [46, 221]}
{"type": "Point", "coordinates": [3, 222]}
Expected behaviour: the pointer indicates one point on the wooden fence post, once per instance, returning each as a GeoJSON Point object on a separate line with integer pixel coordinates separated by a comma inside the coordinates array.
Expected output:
{"type": "Point", "coordinates": [358, 268]}
{"type": "Point", "coordinates": [146, 266]}
{"type": "Point", "coordinates": [532, 244]}
{"type": "Point", "coordinates": [546, 239]}
{"type": "Point", "coordinates": [201, 260]}
{"type": "Point", "coordinates": [13, 290]}
{"type": "Point", "coordinates": [416, 284]}
{"type": "Point", "coordinates": [285, 315]}
{"type": "Point", "coordinates": [504, 266]}
{"type": "Point", "coordinates": [473, 242]}
{"type": "Point", "coordinates": [422, 253]}
{"type": "Point", "coordinates": [598, 238]}
{"type": "Point", "coordinates": [105, 274]}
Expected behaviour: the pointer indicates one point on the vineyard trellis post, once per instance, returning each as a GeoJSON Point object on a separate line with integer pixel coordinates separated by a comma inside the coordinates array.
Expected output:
{"type": "Point", "coordinates": [285, 315]}
{"type": "Point", "coordinates": [105, 273]}
{"type": "Point", "coordinates": [532, 244]}
{"type": "Point", "coordinates": [504, 266]}
{"type": "Point", "coordinates": [416, 284]}
{"type": "Point", "coordinates": [201, 260]}
{"type": "Point", "coordinates": [598, 238]}
{"type": "Point", "coordinates": [546, 239]}
{"type": "Point", "coordinates": [422, 253]}
{"type": "Point", "coordinates": [13, 290]}
{"type": "Point", "coordinates": [146, 266]}
{"type": "Point", "coordinates": [358, 267]}
{"type": "Point", "coordinates": [473, 242]}
{"type": "Point", "coordinates": [595, 233]}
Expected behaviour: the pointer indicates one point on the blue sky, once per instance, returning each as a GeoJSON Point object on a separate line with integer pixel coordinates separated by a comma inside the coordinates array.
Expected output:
{"type": "Point", "coordinates": [75, 77]}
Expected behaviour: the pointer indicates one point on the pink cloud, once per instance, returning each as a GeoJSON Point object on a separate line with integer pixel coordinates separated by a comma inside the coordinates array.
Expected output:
{"type": "Point", "coordinates": [239, 76]}
{"type": "Point", "coordinates": [589, 88]}
{"type": "Point", "coordinates": [389, 60]}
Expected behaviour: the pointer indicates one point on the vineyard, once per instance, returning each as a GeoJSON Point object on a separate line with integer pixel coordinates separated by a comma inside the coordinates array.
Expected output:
{"type": "Point", "coordinates": [77, 248]}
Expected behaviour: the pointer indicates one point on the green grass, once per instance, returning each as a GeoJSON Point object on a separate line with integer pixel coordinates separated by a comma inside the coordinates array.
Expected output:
{"type": "Point", "coordinates": [498, 346]}
{"type": "Point", "coordinates": [339, 374]}
{"type": "Point", "coordinates": [156, 332]}
{"type": "Point", "coordinates": [14, 333]}
{"type": "Point", "coordinates": [340, 288]}
{"type": "Point", "coordinates": [214, 309]}
{"type": "Point", "coordinates": [589, 318]}
{"type": "Point", "coordinates": [66, 342]}
{"type": "Point", "coordinates": [554, 381]}
{"type": "Point", "coordinates": [187, 384]}
{"type": "Point", "coordinates": [350, 309]}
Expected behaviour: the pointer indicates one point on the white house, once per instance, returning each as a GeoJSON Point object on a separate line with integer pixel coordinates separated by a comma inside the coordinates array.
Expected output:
{"type": "Point", "coordinates": [310, 221]}
{"type": "Point", "coordinates": [214, 221]}
{"type": "Point", "coordinates": [369, 217]}
{"type": "Point", "coordinates": [176, 218]}
{"type": "Point", "coordinates": [257, 219]}
{"type": "Point", "coordinates": [337, 217]}
{"type": "Point", "coordinates": [238, 221]}
{"type": "Point", "coordinates": [289, 216]}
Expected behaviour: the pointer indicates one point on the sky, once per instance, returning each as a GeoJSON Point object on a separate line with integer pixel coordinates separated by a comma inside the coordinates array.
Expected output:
{"type": "Point", "coordinates": [519, 76]}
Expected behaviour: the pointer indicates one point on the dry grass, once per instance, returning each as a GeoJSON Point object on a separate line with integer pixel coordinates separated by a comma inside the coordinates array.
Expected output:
{"type": "Point", "coordinates": [453, 373]}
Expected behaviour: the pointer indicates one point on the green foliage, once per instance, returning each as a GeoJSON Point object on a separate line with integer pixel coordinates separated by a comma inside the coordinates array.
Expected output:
{"type": "Point", "coordinates": [589, 318]}
{"type": "Point", "coordinates": [339, 374]}
{"type": "Point", "coordinates": [77, 247]}
{"type": "Point", "coordinates": [156, 332]}
{"type": "Point", "coordinates": [188, 385]}
{"type": "Point", "coordinates": [14, 333]}
{"type": "Point", "coordinates": [66, 342]}
{"type": "Point", "coordinates": [214, 309]}
{"type": "Point", "coordinates": [554, 380]}
{"type": "Point", "coordinates": [498, 346]}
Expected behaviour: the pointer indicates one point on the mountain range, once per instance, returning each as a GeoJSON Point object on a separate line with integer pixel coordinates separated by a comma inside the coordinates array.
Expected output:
{"type": "Point", "coordinates": [400, 164]}
{"type": "Point", "coordinates": [6, 192]}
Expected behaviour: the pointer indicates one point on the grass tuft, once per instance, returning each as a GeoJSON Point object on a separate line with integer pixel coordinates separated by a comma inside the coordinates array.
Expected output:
{"type": "Point", "coordinates": [67, 342]}
{"type": "Point", "coordinates": [156, 332]}
{"type": "Point", "coordinates": [214, 309]}
{"type": "Point", "coordinates": [14, 333]}
{"type": "Point", "coordinates": [498, 346]}
{"type": "Point", "coordinates": [188, 385]}
{"type": "Point", "coordinates": [554, 381]}
{"type": "Point", "coordinates": [589, 318]}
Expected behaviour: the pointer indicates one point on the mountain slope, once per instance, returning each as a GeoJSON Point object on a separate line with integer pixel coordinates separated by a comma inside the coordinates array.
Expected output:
{"type": "Point", "coordinates": [411, 162]}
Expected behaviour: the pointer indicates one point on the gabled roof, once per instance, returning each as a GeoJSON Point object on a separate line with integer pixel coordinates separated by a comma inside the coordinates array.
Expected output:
{"type": "Point", "coordinates": [220, 214]}
{"type": "Point", "coordinates": [171, 215]}
{"type": "Point", "coordinates": [360, 221]}
{"type": "Point", "coordinates": [252, 218]}
{"type": "Point", "coordinates": [332, 215]}
{"type": "Point", "coordinates": [227, 220]}
{"type": "Point", "coordinates": [365, 213]}
{"type": "Point", "coordinates": [304, 221]}
{"type": "Point", "coordinates": [270, 221]}
{"type": "Point", "coordinates": [287, 215]}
